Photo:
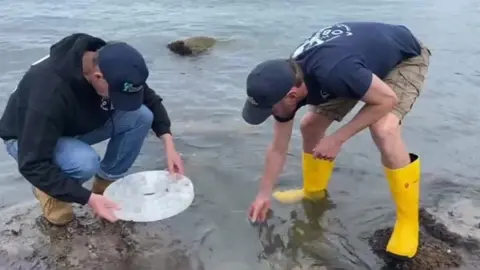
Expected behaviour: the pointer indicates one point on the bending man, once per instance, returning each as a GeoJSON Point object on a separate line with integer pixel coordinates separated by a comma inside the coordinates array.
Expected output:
{"type": "Point", "coordinates": [380, 64]}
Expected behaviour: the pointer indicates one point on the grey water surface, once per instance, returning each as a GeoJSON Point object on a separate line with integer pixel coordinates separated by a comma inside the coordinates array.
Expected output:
{"type": "Point", "coordinates": [224, 156]}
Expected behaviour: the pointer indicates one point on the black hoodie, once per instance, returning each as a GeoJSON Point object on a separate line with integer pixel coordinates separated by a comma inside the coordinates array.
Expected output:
{"type": "Point", "coordinates": [52, 100]}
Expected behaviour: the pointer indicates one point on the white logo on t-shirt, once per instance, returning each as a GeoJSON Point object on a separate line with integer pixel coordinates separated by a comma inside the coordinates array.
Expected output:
{"type": "Point", "coordinates": [323, 35]}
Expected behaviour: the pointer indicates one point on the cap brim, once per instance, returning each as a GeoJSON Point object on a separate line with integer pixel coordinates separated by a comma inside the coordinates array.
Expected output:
{"type": "Point", "coordinates": [255, 115]}
{"type": "Point", "coordinates": [126, 101]}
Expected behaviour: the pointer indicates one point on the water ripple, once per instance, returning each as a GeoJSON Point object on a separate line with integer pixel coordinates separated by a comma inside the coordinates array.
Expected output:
{"type": "Point", "coordinates": [224, 156]}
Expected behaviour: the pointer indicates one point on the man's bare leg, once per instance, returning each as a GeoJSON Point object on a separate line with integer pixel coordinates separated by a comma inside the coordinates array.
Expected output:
{"type": "Point", "coordinates": [386, 134]}
{"type": "Point", "coordinates": [313, 127]}
{"type": "Point", "coordinates": [402, 170]}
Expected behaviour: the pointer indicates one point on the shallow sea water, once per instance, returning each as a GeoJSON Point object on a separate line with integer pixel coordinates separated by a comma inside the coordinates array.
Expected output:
{"type": "Point", "coordinates": [224, 156]}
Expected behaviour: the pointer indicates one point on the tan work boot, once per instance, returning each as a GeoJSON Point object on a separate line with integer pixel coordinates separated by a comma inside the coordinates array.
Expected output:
{"type": "Point", "coordinates": [99, 185]}
{"type": "Point", "coordinates": [55, 211]}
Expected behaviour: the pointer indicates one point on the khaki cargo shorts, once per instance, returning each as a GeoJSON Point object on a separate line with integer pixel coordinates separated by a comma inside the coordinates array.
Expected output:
{"type": "Point", "coordinates": [406, 80]}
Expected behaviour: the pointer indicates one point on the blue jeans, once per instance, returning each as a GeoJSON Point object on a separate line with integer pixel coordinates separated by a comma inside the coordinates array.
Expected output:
{"type": "Point", "coordinates": [80, 161]}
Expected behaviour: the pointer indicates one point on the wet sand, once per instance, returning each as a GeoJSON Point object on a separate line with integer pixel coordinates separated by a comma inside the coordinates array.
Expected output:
{"type": "Point", "coordinates": [29, 242]}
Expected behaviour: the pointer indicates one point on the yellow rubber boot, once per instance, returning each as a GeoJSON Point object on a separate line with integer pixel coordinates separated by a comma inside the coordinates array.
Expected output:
{"type": "Point", "coordinates": [405, 189]}
{"type": "Point", "coordinates": [316, 176]}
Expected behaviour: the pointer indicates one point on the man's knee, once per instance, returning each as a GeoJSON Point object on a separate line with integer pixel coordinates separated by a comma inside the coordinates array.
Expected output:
{"type": "Point", "coordinates": [386, 130]}
{"type": "Point", "coordinates": [143, 116]}
{"type": "Point", "coordinates": [77, 159]}
{"type": "Point", "coordinates": [86, 168]}
{"type": "Point", "coordinates": [314, 123]}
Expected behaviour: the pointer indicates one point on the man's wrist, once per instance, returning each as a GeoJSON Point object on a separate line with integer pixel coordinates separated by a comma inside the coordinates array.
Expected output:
{"type": "Point", "coordinates": [90, 198]}
{"type": "Point", "coordinates": [168, 142]}
{"type": "Point", "coordinates": [83, 196]}
{"type": "Point", "coordinates": [343, 134]}
{"type": "Point", "coordinates": [266, 186]}
{"type": "Point", "coordinates": [264, 192]}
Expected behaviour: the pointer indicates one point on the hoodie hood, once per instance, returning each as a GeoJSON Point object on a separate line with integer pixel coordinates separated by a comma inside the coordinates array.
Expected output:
{"type": "Point", "coordinates": [66, 55]}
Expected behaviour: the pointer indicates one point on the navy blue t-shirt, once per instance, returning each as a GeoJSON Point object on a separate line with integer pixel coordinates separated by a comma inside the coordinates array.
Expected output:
{"type": "Point", "coordinates": [338, 60]}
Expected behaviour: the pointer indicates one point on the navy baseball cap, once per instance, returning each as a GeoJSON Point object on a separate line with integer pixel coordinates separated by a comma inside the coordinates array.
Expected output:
{"type": "Point", "coordinates": [267, 84]}
{"type": "Point", "coordinates": [126, 73]}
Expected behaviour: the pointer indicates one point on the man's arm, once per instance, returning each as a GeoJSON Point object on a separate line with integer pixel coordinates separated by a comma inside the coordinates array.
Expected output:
{"type": "Point", "coordinates": [379, 101]}
{"type": "Point", "coordinates": [351, 79]}
{"type": "Point", "coordinates": [275, 157]}
{"type": "Point", "coordinates": [161, 120]}
{"type": "Point", "coordinates": [36, 146]}
{"type": "Point", "coordinates": [168, 143]}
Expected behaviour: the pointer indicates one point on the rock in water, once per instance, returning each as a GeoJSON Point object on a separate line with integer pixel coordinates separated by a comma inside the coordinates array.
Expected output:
{"type": "Point", "coordinates": [432, 254]}
{"type": "Point", "coordinates": [438, 248]}
{"type": "Point", "coordinates": [192, 46]}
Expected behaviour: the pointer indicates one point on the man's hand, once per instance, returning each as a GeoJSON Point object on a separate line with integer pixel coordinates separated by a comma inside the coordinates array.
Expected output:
{"type": "Point", "coordinates": [174, 163]}
{"type": "Point", "coordinates": [259, 208]}
{"type": "Point", "coordinates": [103, 207]}
{"type": "Point", "coordinates": [327, 148]}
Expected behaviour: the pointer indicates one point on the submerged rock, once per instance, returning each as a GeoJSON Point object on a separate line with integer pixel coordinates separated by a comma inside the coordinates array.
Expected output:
{"type": "Point", "coordinates": [191, 46]}
{"type": "Point", "coordinates": [439, 248]}
{"type": "Point", "coordinates": [432, 254]}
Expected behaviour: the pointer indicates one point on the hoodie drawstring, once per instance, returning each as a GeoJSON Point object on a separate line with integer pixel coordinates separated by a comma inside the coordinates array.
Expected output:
{"type": "Point", "coordinates": [111, 112]}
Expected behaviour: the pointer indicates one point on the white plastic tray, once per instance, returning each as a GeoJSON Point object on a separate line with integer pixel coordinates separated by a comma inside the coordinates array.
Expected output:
{"type": "Point", "coordinates": [150, 196]}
